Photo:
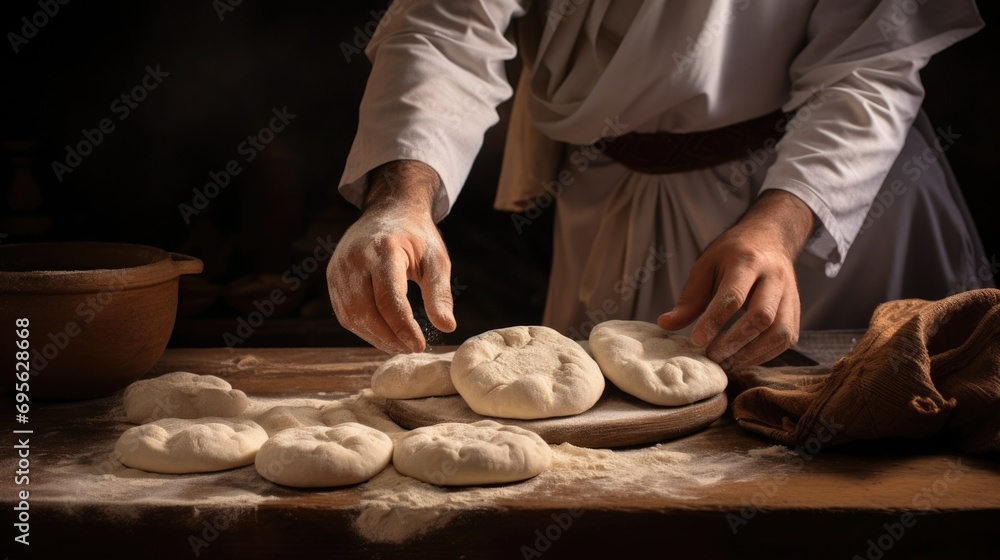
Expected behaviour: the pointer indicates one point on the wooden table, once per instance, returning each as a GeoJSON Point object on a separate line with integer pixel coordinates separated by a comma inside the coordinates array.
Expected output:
{"type": "Point", "coordinates": [838, 503]}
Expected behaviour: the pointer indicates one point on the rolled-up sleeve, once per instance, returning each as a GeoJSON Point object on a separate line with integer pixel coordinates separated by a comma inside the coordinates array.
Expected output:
{"type": "Point", "coordinates": [437, 78]}
{"type": "Point", "coordinates": [857, 90]}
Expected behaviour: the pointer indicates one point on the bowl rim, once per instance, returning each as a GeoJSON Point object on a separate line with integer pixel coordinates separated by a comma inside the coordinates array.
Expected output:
{"type": "Point", "coordinates": [168, 267]}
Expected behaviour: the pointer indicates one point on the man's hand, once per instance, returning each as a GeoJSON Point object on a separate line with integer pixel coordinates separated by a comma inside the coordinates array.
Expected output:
{"type": "Point", "coordinates": [749, 266]}
{"type": "Point", "coordinates": [393, 241]}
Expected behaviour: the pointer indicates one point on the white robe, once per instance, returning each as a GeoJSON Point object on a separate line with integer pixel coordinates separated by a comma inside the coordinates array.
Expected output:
{"type": "Point", "coordinates": [850, 69]}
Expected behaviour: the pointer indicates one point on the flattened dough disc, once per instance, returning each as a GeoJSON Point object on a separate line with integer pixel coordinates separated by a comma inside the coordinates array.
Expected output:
{"type": "Point", "coordinates": [617, 420]}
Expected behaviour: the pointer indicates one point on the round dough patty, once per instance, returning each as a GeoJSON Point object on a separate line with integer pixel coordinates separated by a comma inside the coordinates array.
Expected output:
{"type": "Point", "coordinates": [319, 456]}
{"type": "Point", "coordinates": [655, 365]}
{"type": "Point", "coordinates": [414, 376]}
{"type": "Point", "coordinates": [182, 395]}
{"type": "Point", "coordinates": [176, 446]}
{"type": "Point", "coordinates": [526, 373]}
{"type": "Point", "coordinates": [484, 452]}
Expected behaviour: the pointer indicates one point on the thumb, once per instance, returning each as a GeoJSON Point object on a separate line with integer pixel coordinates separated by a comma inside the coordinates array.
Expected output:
{"type": "Point", "coordinates": [694, 299]}
{"type": "Point", "coordinates": [435, 287]}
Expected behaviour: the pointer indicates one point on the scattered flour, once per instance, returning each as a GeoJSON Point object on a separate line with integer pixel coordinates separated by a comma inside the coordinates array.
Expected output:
{"type": "Point", "coordinates": [392, 508]}
{"type": "Point", "coordinates": [396, 508]}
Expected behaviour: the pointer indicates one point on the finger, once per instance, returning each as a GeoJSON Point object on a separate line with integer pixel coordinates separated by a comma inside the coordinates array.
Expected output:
{"type": "Point", "coordinates": [762, 309]}
{"type": "Point", "coordinates": [435, 286]}
{"type": "Point", "coordinates": [728, 299]}
{"type": "Point", "coordinates": [359, 315]}
{"type": "Point", "coordinates": [389, 291]}
{"type": "Point", "coordinates": [379, 343]}
{"type": "Point", "coordinates": [694, 298]}
{"type": "Point", "coordinates": [780, 336]}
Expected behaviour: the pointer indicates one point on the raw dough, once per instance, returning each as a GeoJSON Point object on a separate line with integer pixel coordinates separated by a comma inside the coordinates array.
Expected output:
{"type": "Point", "coordinates": [175, 446]}
{"type": "Point", "coordinates": [526, 373]}
{"type": "Point", "coordinates": [318, 456]}
{"type": "Point", "coordinates": [182, 395]}
{"type": "Point", "coordinates": [655, 365]}
{"type": "Point", "coordinates": [281, 418]}
{"type": "Point", "coordinates": [484, 452]}
{"type": "Point", "coordinates": [414, 376]}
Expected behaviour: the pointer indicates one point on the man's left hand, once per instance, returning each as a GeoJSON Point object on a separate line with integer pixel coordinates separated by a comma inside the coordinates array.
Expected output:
{"type": "Point", "coordinates": [749, 266]}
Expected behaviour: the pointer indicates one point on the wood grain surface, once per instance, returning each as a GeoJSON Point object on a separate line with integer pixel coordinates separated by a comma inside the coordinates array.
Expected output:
{"type": "Point", "coordinates": [883, 500]}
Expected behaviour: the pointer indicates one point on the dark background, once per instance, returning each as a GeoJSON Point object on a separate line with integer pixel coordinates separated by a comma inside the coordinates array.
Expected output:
{"type": "Point", "coordinates": [225, 77]}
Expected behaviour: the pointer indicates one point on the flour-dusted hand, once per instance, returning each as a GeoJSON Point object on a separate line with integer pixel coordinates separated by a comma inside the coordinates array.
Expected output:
{"type": "Point", "coordinates": [751, 267]}
{"type": "Point", "coordinates": [395, 240]}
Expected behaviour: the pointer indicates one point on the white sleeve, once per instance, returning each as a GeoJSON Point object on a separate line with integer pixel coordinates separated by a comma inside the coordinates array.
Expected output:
{"type": "Point", "coordinates": [856, 86]}
{"type": "Point", "coordinates": [437, 78]}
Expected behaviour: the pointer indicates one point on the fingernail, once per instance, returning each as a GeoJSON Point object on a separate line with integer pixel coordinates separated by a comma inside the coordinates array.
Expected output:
{"type": "Point", "coordinates": [726, 364]}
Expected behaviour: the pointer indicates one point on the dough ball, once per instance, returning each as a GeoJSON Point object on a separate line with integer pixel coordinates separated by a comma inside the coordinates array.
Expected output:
{"type": "Point", "coordinates": [654, 365]}
{"type": "Point", "coordinates": [318, 456]}
{"type": "Point", "coordinates": [176, 446]}
{"type": "Point", "coordinates": [182, 395]}
{"type": "Point", "coordinates": [485, 452]}
{"type": "Point", "coordinates": [526, 373]}
{"type": "Point", "coordinates": [414, 376]}
{"type": "Point", "coordinates": [281, 418]}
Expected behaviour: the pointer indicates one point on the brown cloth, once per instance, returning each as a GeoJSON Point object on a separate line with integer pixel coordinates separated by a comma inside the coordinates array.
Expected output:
{"type": "Point", "coordinates": [923, 368]}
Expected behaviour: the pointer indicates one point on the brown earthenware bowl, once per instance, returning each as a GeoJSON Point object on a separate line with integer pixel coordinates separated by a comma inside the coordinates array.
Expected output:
{"type": "Point", "coordinates": [99, 314]}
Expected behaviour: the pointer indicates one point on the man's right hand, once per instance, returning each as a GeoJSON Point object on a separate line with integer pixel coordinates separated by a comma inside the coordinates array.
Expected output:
{"type": "Point", "coordinates": [393, 241]}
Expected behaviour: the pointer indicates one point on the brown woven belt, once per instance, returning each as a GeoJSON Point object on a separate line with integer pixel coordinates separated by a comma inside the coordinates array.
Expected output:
{"type": "Point", "coordinates": [660, 153]}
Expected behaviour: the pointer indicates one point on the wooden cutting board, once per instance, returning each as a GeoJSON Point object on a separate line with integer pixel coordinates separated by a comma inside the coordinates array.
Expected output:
{"type": "Point", "coordinates": [617, 420]}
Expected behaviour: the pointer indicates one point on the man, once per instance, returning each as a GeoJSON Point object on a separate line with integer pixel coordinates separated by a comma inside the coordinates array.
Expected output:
{"type": "Point", "coordinates": [611, 98]}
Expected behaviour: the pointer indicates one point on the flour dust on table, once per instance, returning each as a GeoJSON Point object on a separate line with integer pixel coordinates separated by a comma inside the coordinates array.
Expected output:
{"type": "Point", "coordinates": [281, 418]}
{"type": "Point", "coordinates": [392, 507]}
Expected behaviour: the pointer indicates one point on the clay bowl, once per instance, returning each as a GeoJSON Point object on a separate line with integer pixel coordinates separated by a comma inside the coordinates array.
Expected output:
{"type": "Point", "coordinates": [99, 314]}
